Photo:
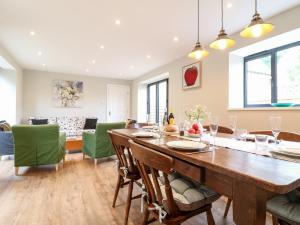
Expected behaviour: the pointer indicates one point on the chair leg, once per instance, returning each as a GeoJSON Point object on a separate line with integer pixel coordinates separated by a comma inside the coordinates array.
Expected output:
{"type": "Point", "coordinates": [56, 167]}
{"type": "Point", "coordinates": [95, 162]}
{"type": "Point", "coordinates": [227, 207]}
{"type": "Point", "coordinates": [275, 220]}
{"type": "Point", "coordinates": [17, 171]}
{"type": "Point", "coordinates": [117, 191]}
{"type": "Point", "coordinates": [83, 156]}
{"type": "Point", "coordinates": [128, 203]}
{"type": "Point", "coordinates": [210, 218]}
{"type": "Point", "coordinates": [146, 214]}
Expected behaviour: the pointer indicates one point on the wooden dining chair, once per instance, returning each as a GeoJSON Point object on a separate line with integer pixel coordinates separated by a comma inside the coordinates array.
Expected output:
{"type": "Point", "coordinates": [282, 209]}
{"type": "Point", "coordinates": [127, 170]}
{"type": "Point", "coordinates": [283, 135]}
{"type": "Point", "coordinates": [221, 129]}
{"type": "Point", "coordinates": [170, 197]}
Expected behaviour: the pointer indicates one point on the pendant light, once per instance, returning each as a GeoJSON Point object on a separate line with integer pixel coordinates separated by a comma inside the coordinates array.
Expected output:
{"type": "Point", "coordinates": [257, 27]}
{"type": "Point", "coordinates": [223, 41]}
{"type": "Point", "coordinates": [198, 52]}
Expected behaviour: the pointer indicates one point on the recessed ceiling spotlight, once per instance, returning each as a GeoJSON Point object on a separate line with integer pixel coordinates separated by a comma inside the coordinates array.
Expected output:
{"type": "Point", "coordinates": [39, 53]}
{"type": "Point", "coordinates": [117, 22]}
{"type": "Point", "coordinates": [148, 56]}
{"type": "Point", "coordinates": [132, 67]}
{"type": "Point", "coordinates": [175, 39]}
{"type": "Point", "coordinates": [43, 64]}
{"type": "Point", "coordinates": [101, 46]}
{"type": "Point", "coordinates": [93, 61]}
{"type": "Point", "coordinates": [120, 74]}
{"type": "Point", "coordinates": [32, 32]}
{"type": "Point", "coordinates": [87, 70]}
{"type": "Point", "coordinates": [229, 5]}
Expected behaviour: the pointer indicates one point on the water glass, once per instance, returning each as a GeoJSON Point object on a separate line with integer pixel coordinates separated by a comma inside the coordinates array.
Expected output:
{"type": "Point", "coordinates": [213, 128]}
{"type": "Point", "coordinates": [181, 129]}
{"type": "Point", "coordinates": [241, 134]}
{"type": "Point", "coordinates": [261, 142]}
{"type": "Point", "coordinates": [233, 123]}
{"type": "Point", "coordinates": [275, 126]}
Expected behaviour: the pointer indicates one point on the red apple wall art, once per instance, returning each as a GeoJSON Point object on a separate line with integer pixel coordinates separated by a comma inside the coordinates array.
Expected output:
{"type": "Point", "coordinates": [191, 76]}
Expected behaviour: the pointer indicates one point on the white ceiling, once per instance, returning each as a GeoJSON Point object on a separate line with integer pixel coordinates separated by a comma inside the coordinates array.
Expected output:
{"type": "Point", "coordinates": [69, 32]}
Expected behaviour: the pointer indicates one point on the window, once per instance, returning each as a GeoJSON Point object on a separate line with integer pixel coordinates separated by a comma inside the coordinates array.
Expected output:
{"type": "Point", "coordinates": [157, 100]}
{"type": "Point", "coordinates": [272, 76]}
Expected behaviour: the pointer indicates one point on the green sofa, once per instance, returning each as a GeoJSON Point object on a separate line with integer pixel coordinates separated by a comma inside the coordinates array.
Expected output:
{"type": "Point", "coordinates": [38, 145]}
{"type": "Point", "coordinates": [97, 145]}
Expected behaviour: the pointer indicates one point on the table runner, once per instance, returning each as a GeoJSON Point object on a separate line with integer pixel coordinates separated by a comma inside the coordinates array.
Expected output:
{"type": "Point", "coordinates": [245, 146]}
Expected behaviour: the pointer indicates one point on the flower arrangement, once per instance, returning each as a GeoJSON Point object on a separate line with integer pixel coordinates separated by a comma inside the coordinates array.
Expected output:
{"type": "Point", "coordinates": [197, 113]}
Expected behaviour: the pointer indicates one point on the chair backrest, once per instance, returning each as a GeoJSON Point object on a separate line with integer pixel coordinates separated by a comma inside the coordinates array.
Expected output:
{"type": "Point", "coordinates": [123, 152]}
{"type": "Point", "coordinates": [146, 159]}
{"type": "Point", "coordinates": [221, 129]}
{"type": "Point", "coordinates": [35, 142]}
{"type": "Point", "coordinates": [103, 143]}
{"type": "Point", "coordinates": [284, 135]}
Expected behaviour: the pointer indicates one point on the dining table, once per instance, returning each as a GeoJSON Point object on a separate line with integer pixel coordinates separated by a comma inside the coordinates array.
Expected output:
{"type": "Point", "coordinates": [246, 178]}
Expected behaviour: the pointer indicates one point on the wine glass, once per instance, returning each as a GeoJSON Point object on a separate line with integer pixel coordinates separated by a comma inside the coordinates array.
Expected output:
{"type": "Point", "coordinates": [233, 123]}
{"type": "Point", "coordinates": [213, 128]}
{"type": "Point", "coordinates": [275, 126]}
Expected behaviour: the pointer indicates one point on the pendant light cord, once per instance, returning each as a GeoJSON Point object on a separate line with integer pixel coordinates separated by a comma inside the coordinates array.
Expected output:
{"type": "Point", "coordinates": [255, 6]}
{"type": "Point", "coordinates": [222, 13]}
{"type": "Point", "coordinates": [198, 21]}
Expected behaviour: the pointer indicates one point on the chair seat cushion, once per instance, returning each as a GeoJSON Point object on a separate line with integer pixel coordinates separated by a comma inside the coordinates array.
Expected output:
{"type": "Point", "coordinates": [188, 195]}
{"type": "Point", "coordinates": [283, 207]}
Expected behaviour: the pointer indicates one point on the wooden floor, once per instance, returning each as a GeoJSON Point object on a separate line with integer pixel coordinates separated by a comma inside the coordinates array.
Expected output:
{"type": "Point", "coordinates": [78, 194]}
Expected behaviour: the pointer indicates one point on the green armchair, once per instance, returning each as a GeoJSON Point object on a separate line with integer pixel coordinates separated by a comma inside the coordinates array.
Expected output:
{"type": "Point", "coordinates": [98, 145]}
{"type": "Point", "coordinates": [38, 145]}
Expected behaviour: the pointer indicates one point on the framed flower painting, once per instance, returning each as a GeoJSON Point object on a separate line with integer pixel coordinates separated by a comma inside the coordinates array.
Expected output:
{"type": "Point", "coordinates": [67, 94]}
{"type": "Point", "coordinates": [191, 76]}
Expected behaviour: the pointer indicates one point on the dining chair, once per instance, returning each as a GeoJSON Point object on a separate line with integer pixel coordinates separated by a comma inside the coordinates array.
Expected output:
{"type": "Point", "coordinates": [283, 135]}
{"type": "Point", "coordinates": [127, 170]}
{"type": "Point", "coordinates": [285, 209]}
{"type": "Point", "coordinates": [223, 130]}
{"type": "Point", "coordinates": [169, 197]}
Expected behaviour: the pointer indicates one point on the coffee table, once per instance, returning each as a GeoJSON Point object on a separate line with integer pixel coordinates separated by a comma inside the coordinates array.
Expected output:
{"type": "Point", "coordinates": [74, 143]}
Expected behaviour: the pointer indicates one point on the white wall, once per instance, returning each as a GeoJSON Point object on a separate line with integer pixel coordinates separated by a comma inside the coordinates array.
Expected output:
{"type": "Point", "coordinates": [17, 73]}
{"type": "Point", "coordinates": [8, 95]}
{"type": "Point", "coordinates": [214, 90]}
{"type": "Point", "coordinates": [37, 93]}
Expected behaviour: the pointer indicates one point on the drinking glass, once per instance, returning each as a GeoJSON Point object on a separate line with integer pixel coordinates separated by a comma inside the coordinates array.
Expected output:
{"type": "Point", "coordinates": [241, 134]}
{"type": "Point", "coordinates": [233, 123]}
{"type": "Point", "coordinates": [261, 142]}
{"type": "Point", "coordinates": [275, 126]}
{"type": "Point", "coordinates": [148, 118]}
{"type": "Point", "coordinates": [213, 127]}
{"type": "Point", "coordinates": [181, 129]}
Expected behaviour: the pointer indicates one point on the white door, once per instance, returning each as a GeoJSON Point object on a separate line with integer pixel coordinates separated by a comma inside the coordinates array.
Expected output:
{"type": "Point", "coordinates": [118, 103]}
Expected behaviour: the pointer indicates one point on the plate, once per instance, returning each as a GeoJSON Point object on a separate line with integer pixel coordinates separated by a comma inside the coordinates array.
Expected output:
{"type": "Point", "coordinates": [186, 145]}
{"type": "Point", "coordinates": [170, 133]}
{"type": "Point", "coordinates": [194, 135]}
{"type": "Point", "coordinates": [143, 134]}
{"type": "Point", "coordinates": [290, 151]}
{"type": "Point", "coordinates": [280, 152]}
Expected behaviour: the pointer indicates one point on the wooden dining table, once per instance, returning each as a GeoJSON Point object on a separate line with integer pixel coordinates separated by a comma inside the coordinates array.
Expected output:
{"type": "Point", "coordinates": [248, 179]}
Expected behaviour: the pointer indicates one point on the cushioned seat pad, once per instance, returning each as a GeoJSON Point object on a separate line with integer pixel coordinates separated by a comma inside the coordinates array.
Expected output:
{"type": "Point", "coordinates": [283, 207]}
{"type": "Point", "coordinates": [188, 195]}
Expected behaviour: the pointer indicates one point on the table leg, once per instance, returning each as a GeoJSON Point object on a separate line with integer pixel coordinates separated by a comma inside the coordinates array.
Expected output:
{"type": "Point", "coordinates": [249, 204]}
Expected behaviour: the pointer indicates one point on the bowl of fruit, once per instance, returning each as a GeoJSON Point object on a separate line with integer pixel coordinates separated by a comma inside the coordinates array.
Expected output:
{"type": "Point", "coordinates": [195, 131]}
